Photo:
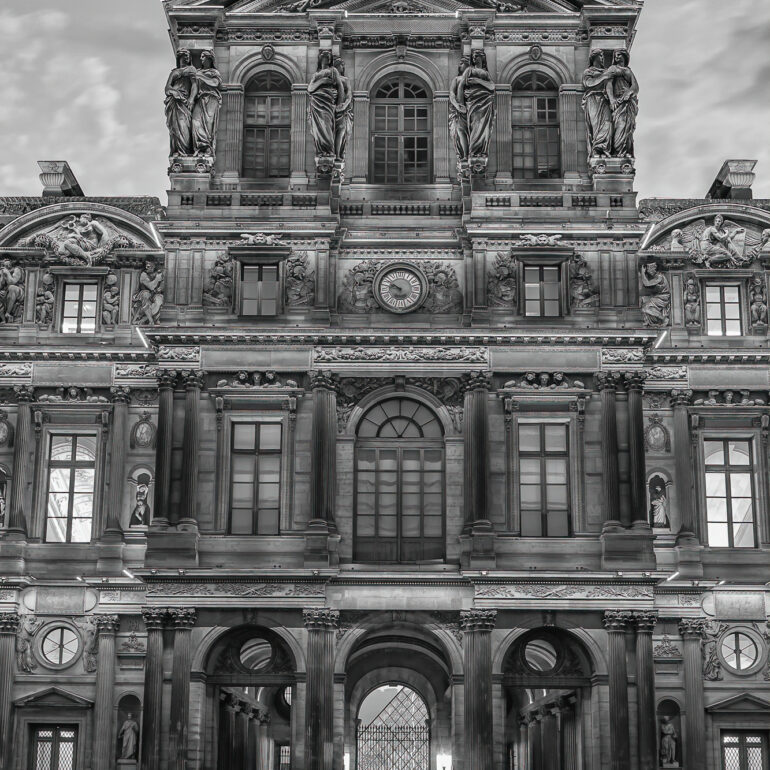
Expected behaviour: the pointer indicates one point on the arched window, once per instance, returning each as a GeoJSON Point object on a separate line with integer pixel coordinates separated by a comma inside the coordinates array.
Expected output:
{"type": "Point", "coordinates": [401, 132]}
{"type": "Point", "coordinates": [267, 126]}
{"type": "Point", "coordinates": [535, 117]}
{"type": "Point", "coordinates": [399, 483]}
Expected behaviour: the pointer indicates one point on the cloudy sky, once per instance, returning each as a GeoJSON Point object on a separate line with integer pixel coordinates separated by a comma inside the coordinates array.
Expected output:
{"type": "Point", "coordinates": [85, 84]}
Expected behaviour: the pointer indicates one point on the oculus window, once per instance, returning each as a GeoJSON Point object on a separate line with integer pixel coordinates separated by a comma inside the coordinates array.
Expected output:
{"type": "Point", "coordinates": [70, 493]}
{"type": "Point", "coordinates": [723, 310]}
{"type": "Point", "coordinates": [255, 478]}
{"type": "Point", "coordinates": [739, 651]}
{"type": "Point", "coordinates": [535, 127]}
{"type": "Point", "coordinates": [729, 471]}
{"type": "Point", "coordinates": [60, 646]}
{"type": "Point", "coordinates": [267, 127]}
{"type": "Point", "coordinates": [544, 480]}
{"type": "Point", "coordinates": [401, 132]}
{"type": "Point", "coordinates": [399, 484]}
{"type": "Point", "coordinates": [79, 308]}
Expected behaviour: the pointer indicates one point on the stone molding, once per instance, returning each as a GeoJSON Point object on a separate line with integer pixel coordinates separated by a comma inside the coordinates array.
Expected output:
{"type": "Point", "coordinates": [411, 355]}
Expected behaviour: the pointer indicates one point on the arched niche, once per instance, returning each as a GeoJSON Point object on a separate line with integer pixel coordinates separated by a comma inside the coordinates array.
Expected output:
{"type": "Point", "coordinates": [139, 496]}
{"type": "Point", "coordinates": [661, 500]}
{"type": "Point", "coordinates": [128, 727]}
{"type": "Point", "coordinates": [669, 719]}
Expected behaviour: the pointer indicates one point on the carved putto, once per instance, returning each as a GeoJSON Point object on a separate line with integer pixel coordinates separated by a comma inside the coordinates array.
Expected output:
{"type": "Point", "coordinates": [692, 306]}
{"type": "Point", "coordinates": [268, 379]}
{"type": "Point", "coordinates": [758, 301]}
{"type": "Point", "coordinates": [541, 239]}
{"type": "Point", "coordinates": [218, 291]}
{"type": "Point", "coordinates": [723, 243]}
{"type": "Point", "coordinates": [729, 398]}
{"type": "Point", "coordinates": [656, 303]}
{"type": "Point", "coordinates": [111, 300]}
{"type": "Point", "coordinates": [583, 293]}
{"type": "Point", "coordinates": [544, 381]}
{"type": "Point", "coordinates": [45, 297]}
{"type": "Point", "coordinates": [299, 281]}
{"type": "Point", "coordinates": [80, 239]}
{"type": "Point", "coordinates": [148, 300]}
{"type": "Point", "coordinates": [501, 285]}
{"type": "Point", "coordinates": [12, 279]}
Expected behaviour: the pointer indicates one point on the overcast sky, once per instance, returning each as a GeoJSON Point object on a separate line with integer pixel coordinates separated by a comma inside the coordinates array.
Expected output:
{"type": "Point", "coordinates": [84, 83]}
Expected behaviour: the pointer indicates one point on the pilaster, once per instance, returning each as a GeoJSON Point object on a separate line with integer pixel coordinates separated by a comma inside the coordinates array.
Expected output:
{"type": "Point", "coordinates": [9, 625]}
{"type": "Point", "coordinates": [360, 144]}
{"type": "Point", "coordinates": [503, 133]}
{"type": "Point", "coordinates": [607, 382]}
{"type": "Point", "coordinates": [17, 528]}
{"type": "Point", "coordinates": [188, 518]}
{"type": "Point", "coordinates": [616, 621]}
{"type": "Point", "coordinates": [695, 737]}
{"type": "Point", "coordinates": [573, 150]}
{"type": "Point", "coordinates": [182, 619]}
{"type": "Point", "coordinates": [232, 109]}
{"type": "Point", "coordinates": [298, 133]}
{"type": "Point", "coordinates": [163, 446]}
{"type": "Point", "coordinates": [103, 748]}
{"type": "Point", "coordinates": [441, 164]}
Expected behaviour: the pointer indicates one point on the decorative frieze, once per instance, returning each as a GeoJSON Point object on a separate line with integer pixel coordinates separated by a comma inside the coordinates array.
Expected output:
{"type": "Point", "coordinates": [560, 591]}
{"type": "Point", "coordinates": [244, 589]}
{"type": "Point", "coordinates": [544, 381]}
{"type": "Point", "coordinates": [385, 355]}
{"type": "Point", "coordinates": [182, 354]}
{"type": "Point", "coordinates": [624, 356]}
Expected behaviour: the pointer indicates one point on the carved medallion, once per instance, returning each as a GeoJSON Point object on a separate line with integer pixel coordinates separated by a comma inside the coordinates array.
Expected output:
{"type": "Point", "coordinates": [656, 436]}
{"type": "Point", "coordinates": [6, 429]}
{"type": "Point", "coordinates": [143, 433]}
{"type": "Point", "coordinates": [400, 287]}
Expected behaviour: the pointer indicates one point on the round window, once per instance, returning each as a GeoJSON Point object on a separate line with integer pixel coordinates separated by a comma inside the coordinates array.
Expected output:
{"type": "Point", "coordinates": [256, 654]}
{"type": "Point", "coordinates": [739, 651]}
{"type": "Point", "coordinates": [60, 645]}
{"type": "Point", "coordinates": [540, 655]}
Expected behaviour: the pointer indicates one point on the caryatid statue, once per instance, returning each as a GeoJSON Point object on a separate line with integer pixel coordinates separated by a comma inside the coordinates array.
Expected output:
{"type": "Point", "coordinates": [479, 99]}
{"type": "Point", "coordinates": [329, 114]}
{"type": "Point", "coordinates": [179, 104]}
{"type": "Point", "coordinates": [622, 90]}
{"type": "Point", "coordinates": [207, 93]}
{"type": "Point", "coordinates": [458, 117]}
{"type": "Point", "coordinates": [596, 105]}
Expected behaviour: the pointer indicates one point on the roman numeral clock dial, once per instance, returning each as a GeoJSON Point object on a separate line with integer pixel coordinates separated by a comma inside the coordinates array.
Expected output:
{"type": "Point", "coordinates": [400, 288]}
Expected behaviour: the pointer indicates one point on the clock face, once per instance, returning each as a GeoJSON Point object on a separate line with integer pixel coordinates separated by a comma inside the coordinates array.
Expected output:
{"type": "Point", "coordinates": [400, 289]}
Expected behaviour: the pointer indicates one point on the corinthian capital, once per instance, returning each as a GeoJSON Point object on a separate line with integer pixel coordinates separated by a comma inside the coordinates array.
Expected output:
{"type": "Point", "coordinates": [167, 378]}
{"type": "Point", "coordinates": [691, 628]}
{"type": "Point", "coordinates": [182, 617]}
{"type": "Point", "coordinates": [681, 397]}
{"type": "Point", "coordinates": [107, 624]}
{"type": "Point", "coordinates": [193, 379]}
{"type": "Point", "coordinates": [477, 620]}
{"type": "Point", "coordinates": [9, 622]}
{"type": "Point", "coordinates": [321, 618]}
{"type": "Point", "coordinates": [645, 621]}
{"type": "Point", "coordinates": [154, 617]}
{"type": "Point", "coordinates": [322, 380]}
{"type": "Point", "coordinates": [617, 620]}
{"type": "Point", "coordinates": [606, 380]}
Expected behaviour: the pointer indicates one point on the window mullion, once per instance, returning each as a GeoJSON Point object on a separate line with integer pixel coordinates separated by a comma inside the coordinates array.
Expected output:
{"type": "Point", "coordinates": [255, 490]}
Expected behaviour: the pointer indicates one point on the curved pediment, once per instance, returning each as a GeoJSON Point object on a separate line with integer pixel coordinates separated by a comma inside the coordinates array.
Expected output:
{"type": "Point", "coordinates": [79, 233]}
{"type": "Point", "coordinates": [404, 7]}
{"type": "Point", "coordinates": [712, 235]}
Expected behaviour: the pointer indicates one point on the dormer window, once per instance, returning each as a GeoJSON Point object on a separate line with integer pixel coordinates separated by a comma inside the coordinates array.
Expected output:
{"type": "Point", "coordinates": [267, 127]}
{"type": "Point", "coordinates": [79, 308]}
{"type": "Point", "coordinates": [260, 290]}
{"type": "Point", "coordinates": [535, 118]}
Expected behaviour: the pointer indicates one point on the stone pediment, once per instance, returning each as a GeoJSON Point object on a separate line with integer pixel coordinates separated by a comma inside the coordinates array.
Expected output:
{"type": "Point", "coordinates": [53, 697]}
{"type": "Point", "coordinates": [407, 7]}
{"type": "Point", "coordinates": [743, 703]}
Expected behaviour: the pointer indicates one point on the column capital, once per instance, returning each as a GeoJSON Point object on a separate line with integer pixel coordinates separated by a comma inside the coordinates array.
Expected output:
{"type": "Point", "coordinates": [645, 621]}
{"type": "Point", "coordinates": [154, 617]}
{"type": "Point", "coordinates": [322, 380]}
{"type": "Point", "coordinates": [192, 379]}
{"type": "Point", "coordinates": [262, 717]}
{"type": "Point", "coordinates": [617, 620]}
{"type": "Point", "coordinates": [476, 381]}
{"type": "Point", "coordinates": [477, 620]}
{"type": "Point", "coordinates": [321, 618]}
{"type": "Point", "coordinates": [24, 393]}
{"type": "Point", "coordinates": [681, 397]}
{"type": "Point", "coordinates": [182, 617]}
{"type": "Point", "coordinates": [120, 394]}
{"type": "Point", "coordinates": [107, 624]}
{"type": "Point", "coordinates": [9, 622]}
{"type": "Point", "coordinates": [607, 380]}
{"type": "Point", "coordinates": [691, 628]}
{"type": "Point", "coordinates": [167, 378]}
{"type": "Point", "coordinates": [634, 380]}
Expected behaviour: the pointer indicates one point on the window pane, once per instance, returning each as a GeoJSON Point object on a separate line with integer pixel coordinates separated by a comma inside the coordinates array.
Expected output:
{"type": "Point", "coordinates": [244, 435]}
{"type": "Point", "coordinates": [717, 534]}
{"type": "Point", "coordinates": [531, 524]}
{"type": "Point", "coordinates": [61, 447]}
{"type": "Point", "coordinates": [270, 436]}
{"type": "Point", "coordinates": [739, 453]}
{"type": "Point", "coordinates": [714, 452]}
{"type": "Point", "coordinates": [743, 535]}
{"type": "Point", "coordinates": [81, 530]}
{"type": "Point", "coordinates": [558, 524]}
{"type": "Point", "coordinates": [556, 438]}
{"type": "Point", "coordinates": [529, 438]}
{"type": "Point", "coordinates": [529, 471]}
{"type": "Point", "coordinates": [716, 484]}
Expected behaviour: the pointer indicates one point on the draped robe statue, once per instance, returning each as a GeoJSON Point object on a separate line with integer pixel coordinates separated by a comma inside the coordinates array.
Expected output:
{"type": "Point", "coordinates": [622, 90]}
{"type": "Point", "coordinates": [479, 97]}
{"type": "Point", "coordinates": [179, 99]}
{"type": "Point", "coordinates": [208, 99]}
{"type": "Point", "coordinates": [343, 113]}
{"type": "Point", "coordinates": [323, 91]}
{"type": "Point", "coordinates": [458, 118]}
{"type": "Point", "coordinates": [596, 106]}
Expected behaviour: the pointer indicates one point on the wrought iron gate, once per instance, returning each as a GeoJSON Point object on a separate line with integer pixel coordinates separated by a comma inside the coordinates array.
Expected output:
{"type": "Point", "coordinates": [393, 747]}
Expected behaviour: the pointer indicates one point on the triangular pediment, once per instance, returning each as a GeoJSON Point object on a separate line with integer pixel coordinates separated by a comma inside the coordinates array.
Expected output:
{"type": "Point", "coordinates": [403, 7]}
{"type": "Point", "coordinates": [53, 697]}
{"type": "Point", "coordinates": [742, 703]}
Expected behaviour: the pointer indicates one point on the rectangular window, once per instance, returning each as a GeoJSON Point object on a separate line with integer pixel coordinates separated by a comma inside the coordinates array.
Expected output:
{"type": "Point", "coordinates": [744, 751]}
{"type": "Point", "coordinates": [723, 311]}
{"type": "Point", "coordinates": [79, 314]}
{"type": "Point", "coordinates": [54, 747]}
{"type": "Point", "coordinates": [255, 478]}
{"type": "Point", "coordinates": [70, 493]}
{"type": "Point", "coordinates": [729, 475]}
{"type": "Point", "coordinates": [544, 479]}
{"type": "Point", "coordinates": [259, 290]}
{"type": "Point", "coordinates": [285, 757]}
{"type": "Point", "coordinates": [542, 291]}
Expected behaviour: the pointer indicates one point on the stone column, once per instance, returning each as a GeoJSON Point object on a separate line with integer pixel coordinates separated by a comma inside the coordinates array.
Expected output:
{"type": "Point", "coordinates": [645, 688]}
{"type": "Point", "coordinates": [569, 742]}
{"type": "Point", "coordinates": [680, 400]}
{"type": "Point", "coordinates": [104, 714]}
{"type": "Point", "coordinates": [16, 527]}
{"type": "Point", "coordinates": [264, 742]}
{"type": "Point", "coordinates": [441, 151]}
{"type": "Point", "coordinates": [477, 662]}
{"type": "Point", "coordinates": [188, 513]}
{"type": "Point", "coordinates": [164, 444]}
{"type": "Point", "coordinates": [323, 449]}
{"type": "Point", "coordinates": [232, 109]}
{"type": "Point", "coordinates": [637, 470]}
{"type": "Point", "coordinates": [118, 444]}
{"type": "Point", "coordinates": [227, 716]}
{"type": "Point", "coordinates": [9, 625]}
{"type": "Point", "coordinates": [152, 707]}
{"type": "Point", "coordinates": [695, 735]}
{"type": "Point", "coordinates": [360, 144]}
{"type": "Point", "coordinates": [503, 132]}
{"type": "Point", "coordinates": [321, 626]}
{"type": "Point", "coordinates": [570, 122]}
{"type": "Point", "coordinates": [615, 621]}
{"type": "Point", "coordinates": [182, 619]}
{"type": "Point", "coordinates": [250, 752]}
{"type": "Point", "coordinates": [238, 758]}
{"type": "Point", "coordinates": [610, 483]}
{"type": "Point", "coordinates": [298, 132]}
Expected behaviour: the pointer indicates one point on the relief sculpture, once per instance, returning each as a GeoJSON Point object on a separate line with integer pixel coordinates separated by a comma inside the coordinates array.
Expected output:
{"type": "Point", "coordinates": [11, 292]}
{"type": "Point", "coordinates": [723, 243]}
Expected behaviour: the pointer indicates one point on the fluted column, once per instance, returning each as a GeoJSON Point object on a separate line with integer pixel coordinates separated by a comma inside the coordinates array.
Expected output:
{"type": "Point", "coordinates": [323, 448]}
{"type": "Point", "coordinates": [232, 109]}
{"type": "Point", "coordinates": [226, 736]}
{"type": "Point", "coordinates": [103, 747]}
{"type": "Point", "coordinates": [476, 441]}
{"type": "Point", "coordinates": [298, 132]}
{"type": "Point", "coordinates": [360, 144]}
{"type": "Point", "coordinates": [118, 442]}
{"type": "Point", "coordinates": [683, 464]}
{"type": "Point", "coordinates": [637, 470]}
{"type": "Point", "coordinates": [616, 621]}
{"type": "Point", "coordinates": [188, 511]}
{"type": "Point", "coordinates": [645, 688]}
{"type": "Point", "coordinates": [570, 123]}
{"type": "Point", "coordinates": [182, 620]}
{"type": "Point", "coordinates": [163, 447]}
{"type": "Point", "coordinates": [238, 758]}
{"type": "Point", "coordinates": [251, 760]}
{"type": "Point", "coordinates": [609, 427]}
{"type": "Point", "coordinates": [9, 624]}
{"type": "Point", "coordinates": [152, 707]}
{"type": "Point", "coordinates": [695, 734]}
{"type": "Point", "coordinates": [441, 152]}
{"type": "Point", "coordinates": [569, 742]}
{"type": "Point", "coordinates": [16, 528]}
{"type": "Point", "coordinates": [503, 132]}
{"type": "Point", "coordinates": [321, 625]}
{"type": "Point", "coordinates": [477, 626]}
{"type": "Point", "coordinates": [264, 742]}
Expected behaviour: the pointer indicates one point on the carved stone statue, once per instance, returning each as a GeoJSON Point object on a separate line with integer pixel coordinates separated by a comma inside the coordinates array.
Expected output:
{"type": "Point", "coordinates": [148, 301]}
{"type": "Point", "coordinates": [219, 287]}
{"type": "Point", "coordinates": [478, 92]}
{"type": "Point", "coordinates": [207, 94]}
{"type": "Point", "coordinates": [300, 281]}
{"type": "Point", "coordinates": [720, 243]}
{"type": "Point", "coordinates": [140, 515]}
{"type": "Point", "coordinates": [656, 306]}
{"type": "Point", "coordinates": [444, 295]}
{"type": "Point", "coordinates": [596, 105]}
{"type": "Point", "coordinates": [110, 300]}
{"type": "Point", "coordinates": [501, 286]}
{"type": "Point", "coordinates": [343, 114]}
{"type": "Point", "coordinates": [692, 314]}
{"type": "Point", "coordinates": [723, 244]}
{"type": "Point", "coordinates": [260, 239]}
{"type": "Point", "coordinates": [622, 90]}
{"type": "Point", "coordinates": [179, 104]}
{"type": "Point", "coordinates": [325, 92]}
{"type": "Point", "coordinates": [25, 660]}
{"type": "Point", "coordinates": [659, 506]}
{"type": "Point", "coordinates": [128, 735]}
{"type": "Point", "coordinates": [458, 118]}
{"type": "Point", "coordinates": [45, 297]}
{"type": "Point", "coordinates": [668, 741]}
{"type": "Point", "coordinates": [11, 292]}
{"type": "Point", "coordinates": [758, 297]}
{"type": "Point", "coordinates": [583, 293]}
